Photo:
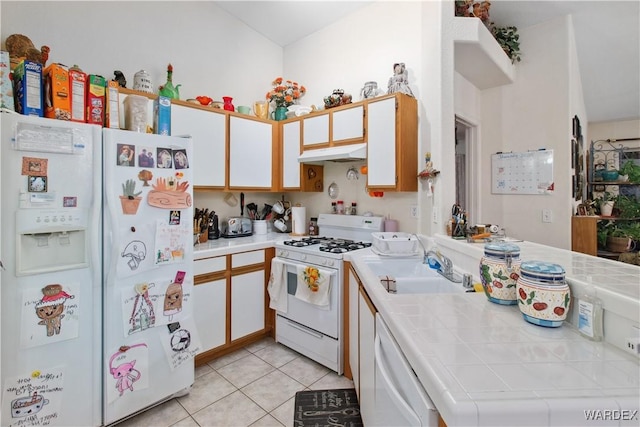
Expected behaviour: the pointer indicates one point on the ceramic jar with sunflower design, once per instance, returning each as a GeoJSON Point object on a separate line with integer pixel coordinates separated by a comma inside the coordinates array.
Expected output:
{"type": "Point", "coordinates": [543, 294]}
{"type": "Point", "coordinates": [499, 271]}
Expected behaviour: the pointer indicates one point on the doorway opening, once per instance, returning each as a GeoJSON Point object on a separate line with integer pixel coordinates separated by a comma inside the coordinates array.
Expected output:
{"type": "Point", "coordinates": [466, 149]}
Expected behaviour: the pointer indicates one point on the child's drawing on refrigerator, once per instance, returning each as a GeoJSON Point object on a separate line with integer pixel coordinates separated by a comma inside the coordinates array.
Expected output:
{"type": "Point", "coordinates": [49, 314]}
{"type": "Point", "coordinates": [182, 344]}
{"type": "Point", "coordinates": [33, 399]}
{"type": "Point", "coordinates": [171, 241]}
{"type": "Point", "coordinates": [139, 307]}
{"type": "Point", "coordinates": [173, 297]}
{"type": "Point", "coordinates": [135, 251]}
{"type": "Point", "coordinates": [128, 366]}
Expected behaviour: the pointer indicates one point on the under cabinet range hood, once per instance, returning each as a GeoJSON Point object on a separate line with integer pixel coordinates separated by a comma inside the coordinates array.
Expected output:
{"type": "Point", "coordinates": [342, 153]}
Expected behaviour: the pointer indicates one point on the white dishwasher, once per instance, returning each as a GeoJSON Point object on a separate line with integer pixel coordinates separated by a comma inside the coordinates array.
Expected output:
{"type": "Point", "coordinates": [400, 399]}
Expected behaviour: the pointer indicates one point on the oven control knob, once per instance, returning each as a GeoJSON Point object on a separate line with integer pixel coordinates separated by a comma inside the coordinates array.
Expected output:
{"type": "Point", "coordinates": [303, 257]}
{"type": "Point", "coordinates": [283, 253]}
{"type": "Point", "coordinates": [324, 262]}
{"type": "Point", "coordinates": [330, 263]}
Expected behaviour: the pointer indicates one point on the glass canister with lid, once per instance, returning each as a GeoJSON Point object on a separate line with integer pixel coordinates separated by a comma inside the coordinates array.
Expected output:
{"type": "Point", "coordinates": [499, 271]}
{"type": "Point", "coordinates": [543, 294]}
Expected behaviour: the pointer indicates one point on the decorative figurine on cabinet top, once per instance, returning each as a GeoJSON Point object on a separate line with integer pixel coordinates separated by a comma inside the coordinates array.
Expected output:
{"type": "Point", "coordinates": [399, 82]}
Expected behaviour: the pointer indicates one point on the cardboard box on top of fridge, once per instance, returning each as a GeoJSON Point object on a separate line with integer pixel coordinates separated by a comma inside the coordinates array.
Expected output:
{"type": "Point", "coordinates": [162, 115]}
{"type": "Point", "coordinates": [96, 99]}
{"type": "Point", "coordinates": [78, 86]}
{"type": "Point", "coordinates": [27, 88]}
{"type": "Point", "coordinates": [113, 105]}
{"type": "Point", "coordinates": [6, 90]}
{"type": "Point", "coordinates": [56, 92]}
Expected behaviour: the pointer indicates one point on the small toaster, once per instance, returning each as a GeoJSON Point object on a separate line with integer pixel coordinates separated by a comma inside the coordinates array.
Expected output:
{"type": "Point", "coordinates": [236, 226]}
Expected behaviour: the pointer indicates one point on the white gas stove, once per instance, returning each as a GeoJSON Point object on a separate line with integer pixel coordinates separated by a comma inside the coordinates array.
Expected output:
{"type": "Point", "coordinates": [307, 328]}
{"type": "Point", "coordinates": [340, 234]}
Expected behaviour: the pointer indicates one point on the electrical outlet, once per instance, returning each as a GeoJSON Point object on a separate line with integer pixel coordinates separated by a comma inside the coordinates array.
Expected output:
{"type": "Point", "coordinates": [436, 215]}
{"type": "Point", "coordinates": [632, 344]}
{"type": "Point", "coordinates": [547, 215]}
{"type": "Point", "coordinates": [413, 211]}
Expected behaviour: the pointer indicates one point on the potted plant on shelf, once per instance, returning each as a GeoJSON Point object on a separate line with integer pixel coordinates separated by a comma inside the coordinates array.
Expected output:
{"type": "Point", "coordinates": [619, 236]}
{"type": "Point", "coordinates": [508, 38]}
{"type": "Point", "coordinates": [606, 203]}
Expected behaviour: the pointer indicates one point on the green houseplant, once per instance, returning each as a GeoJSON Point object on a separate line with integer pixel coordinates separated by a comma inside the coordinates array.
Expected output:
{"type": "Point", "coordinates": [509, 40]}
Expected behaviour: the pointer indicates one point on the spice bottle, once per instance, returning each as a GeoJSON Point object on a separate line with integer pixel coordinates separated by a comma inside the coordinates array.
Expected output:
{"type": "Point", "coordinates": [354, 208]}
{"type": "Point", "coordinates": [340, 207]}
{"type": "Point", "coordinates": [334, 208]}
{"type": "Point", "coordinates": [313, 227]}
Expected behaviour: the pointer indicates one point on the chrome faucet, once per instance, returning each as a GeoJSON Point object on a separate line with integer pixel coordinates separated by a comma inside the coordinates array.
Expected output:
{"type": "Point", "coordinates": [424, 250]}
{"type": "Point", "coordinates": [446, 266]}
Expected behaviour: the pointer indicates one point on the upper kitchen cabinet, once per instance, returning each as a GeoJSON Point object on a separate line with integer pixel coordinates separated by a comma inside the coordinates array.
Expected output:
{"type": "Point", "coordinates": [251, 153]}
{"type": "Point", "coordinates": [207, 127]}
{"type": "Point", "coordinates": [392, 146]}
{"type": "Point", "coordinates": [339, 125]}
{"type": "Point", "coordinates": [315, 130]}
{"type": "Point", "coordinates": [296, 175]}
{"type": "Point", "coordinates": [347, 124]}
{"type": "Point", "coordinates": [478, 56]}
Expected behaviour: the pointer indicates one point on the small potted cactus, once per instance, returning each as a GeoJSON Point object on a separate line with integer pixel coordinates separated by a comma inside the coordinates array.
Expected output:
{"type": "Point", "coordinates": [130, 200]}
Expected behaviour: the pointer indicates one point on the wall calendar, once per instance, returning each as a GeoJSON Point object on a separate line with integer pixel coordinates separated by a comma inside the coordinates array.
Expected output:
{"type": "Point", "coordinates": [529, 172]}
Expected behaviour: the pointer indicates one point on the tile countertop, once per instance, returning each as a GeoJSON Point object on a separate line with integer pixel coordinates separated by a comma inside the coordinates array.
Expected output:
{"type": "Point", "coordinates": [225, 246]}
{"type": "Point", "coordinates": [482, 364]}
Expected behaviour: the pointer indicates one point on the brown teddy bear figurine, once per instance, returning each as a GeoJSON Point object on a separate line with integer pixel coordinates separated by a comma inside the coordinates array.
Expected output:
{"type": "Point", "coordinates": [21, 47]}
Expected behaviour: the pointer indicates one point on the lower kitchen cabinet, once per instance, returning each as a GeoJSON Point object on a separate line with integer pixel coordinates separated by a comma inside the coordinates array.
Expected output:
{"type": "Point", "coordinates": [231, 309]}
{"type": "Point", "coordinates": [362, 333]}
{"type": "Point", "coordinates": [366, 337]}
{"type": "Point", "coordinates": [210, 306]}
{"type": "Point", "coordinates": [247, 303]}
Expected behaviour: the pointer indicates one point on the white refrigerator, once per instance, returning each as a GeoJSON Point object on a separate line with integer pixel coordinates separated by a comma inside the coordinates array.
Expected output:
{"type": "Point", "coordinates": [96, 296]}
{"type": "Point", "coordinates": [51, 293]}
{"type": "Point", "coordinates": [149, 335]}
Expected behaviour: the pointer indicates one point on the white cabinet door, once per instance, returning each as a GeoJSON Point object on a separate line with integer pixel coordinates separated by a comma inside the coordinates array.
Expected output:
{"type": "Point", "coordinates": [247, 304]}
{"type": "Point", "coordinates": [315, 130]}
{"type": "Point", "coordinates": [208, 130]}
{"type": "Point", "coordinates": [250, 153]}
{"type": "Point", "coordinates": [290, 153]}
{"type": "Point", "coordinates": [354, 360]}
{"type": "Point", "coordinates": [367, 329]}
{"type": "Point", "coordinates": [381, 149]}
{"type": "Point", "coordinates": [210, 313]}
{"type": "Point", "coordinates": [348, 124]}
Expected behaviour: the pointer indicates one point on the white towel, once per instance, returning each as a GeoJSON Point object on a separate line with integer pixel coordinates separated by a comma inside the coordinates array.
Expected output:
{"type": "Point", "coordinates": [314, 286]}
{"type": "Point", "coordinates": [277, 286]}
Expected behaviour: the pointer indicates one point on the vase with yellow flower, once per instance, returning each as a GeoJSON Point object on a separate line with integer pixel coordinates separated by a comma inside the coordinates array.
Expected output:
{"type": "Point", "coordinates": [283, 94]}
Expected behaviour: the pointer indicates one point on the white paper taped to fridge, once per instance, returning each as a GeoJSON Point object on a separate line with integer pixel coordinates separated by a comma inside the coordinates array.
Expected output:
{"type": "Point", "coordinates": [49, 314]}
{"type": "Point", "coordinates": [183, 344]}
{"type": "Point", "coordinates": [128, 371]}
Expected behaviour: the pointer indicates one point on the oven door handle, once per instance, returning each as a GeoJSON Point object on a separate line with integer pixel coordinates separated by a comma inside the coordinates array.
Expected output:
{"type": "Point", "coordinates": [305, 329]}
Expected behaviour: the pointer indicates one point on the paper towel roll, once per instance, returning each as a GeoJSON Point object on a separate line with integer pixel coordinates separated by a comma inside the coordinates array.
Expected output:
{"type": "Point", "coordinates": [299, 220]}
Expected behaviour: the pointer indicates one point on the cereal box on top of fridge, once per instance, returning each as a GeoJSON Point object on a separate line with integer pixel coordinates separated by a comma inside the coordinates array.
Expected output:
{"type": "Point", "coordinates": [162, 115]}
{"type": "Point", "coordinates": [113, 105]}
{"type": "Point", "coordinates": [57, 99]}
{"type": "Point", "coordinates": [27, 88]}
{"type": "Point", "coordinates": [6, 90]}
{"type": "Point", "coordinates": [96, 100]}
{"type": "Point", "coordinates": [78, 83]}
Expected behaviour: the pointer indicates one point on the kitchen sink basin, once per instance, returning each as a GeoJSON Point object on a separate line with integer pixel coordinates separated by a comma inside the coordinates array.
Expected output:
{"type": "Point", "coordinates": [413, 277]}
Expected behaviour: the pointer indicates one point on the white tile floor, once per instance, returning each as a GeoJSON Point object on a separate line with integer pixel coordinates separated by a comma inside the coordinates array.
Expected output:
{"type": "Point", "coordinates": [254, 386]}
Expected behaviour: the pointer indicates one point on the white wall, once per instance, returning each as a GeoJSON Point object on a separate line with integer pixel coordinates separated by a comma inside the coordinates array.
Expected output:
{"type": "Point", "coordinates": [615, 130]}
{"type": "Point", "coordinates": [532, 113]}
